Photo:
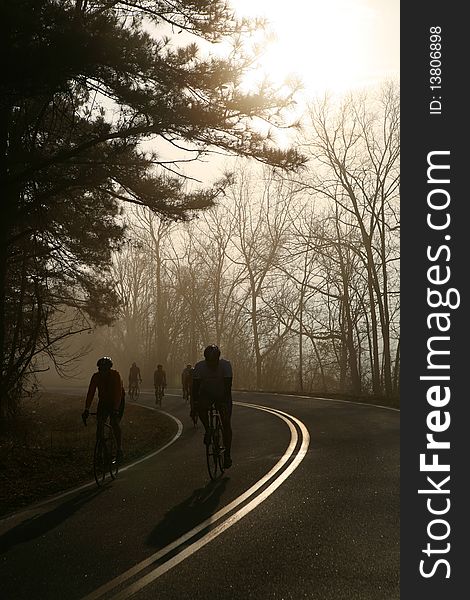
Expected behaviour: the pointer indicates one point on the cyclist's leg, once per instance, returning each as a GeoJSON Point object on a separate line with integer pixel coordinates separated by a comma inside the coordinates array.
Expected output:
{"type": "Point", "coordinates": [114, 422]}
{"type": "Point", "coordinates": [192, 410]}
{"type": "Point", "coordinates": [203, 412]}
{"type": "Point", "coordinates": [225, 417]}
{"type": "Point", "coordinates": [102, 415]}
{"type": "Point", "coordinates": [225, 412]}
{"type": "Point", "coordinates": [100, 421]}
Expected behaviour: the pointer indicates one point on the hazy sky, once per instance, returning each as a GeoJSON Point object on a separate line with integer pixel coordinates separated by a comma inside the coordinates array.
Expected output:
{"type": "Point", "coordinates": [330, 44]}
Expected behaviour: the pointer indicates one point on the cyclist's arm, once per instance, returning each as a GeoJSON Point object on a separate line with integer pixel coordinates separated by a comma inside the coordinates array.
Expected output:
{"type": "Point", "coordinates": [227, 367]}
{"type": "Point", "coordinates": [91, 391]}
{"type": "Point", "coordinates": [228, 387]}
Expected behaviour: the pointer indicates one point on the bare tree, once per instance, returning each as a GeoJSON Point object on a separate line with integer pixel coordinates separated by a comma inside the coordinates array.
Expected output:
{"type": "Point", "coordinates": [261, 217]}
{"type": "Point", "coordinates": [356, 152]}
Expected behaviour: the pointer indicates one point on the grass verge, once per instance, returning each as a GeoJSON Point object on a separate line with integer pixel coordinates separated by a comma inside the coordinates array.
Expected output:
{"type": "Point", "coordinates": [47, 449]}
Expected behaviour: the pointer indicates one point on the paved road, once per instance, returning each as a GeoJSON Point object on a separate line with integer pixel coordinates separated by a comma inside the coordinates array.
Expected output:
{"type": "Point", "coordinates": [310, 509]}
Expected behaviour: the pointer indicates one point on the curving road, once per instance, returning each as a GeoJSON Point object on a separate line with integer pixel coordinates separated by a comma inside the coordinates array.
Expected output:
{"type": "Point", "coordinates": [310, 509]}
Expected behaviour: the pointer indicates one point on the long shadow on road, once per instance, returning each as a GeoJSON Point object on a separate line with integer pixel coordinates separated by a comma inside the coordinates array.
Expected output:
{"type": "Point", "coordinates": [202, 503]}
{"type": "Point", "coordinates": [37, 526]}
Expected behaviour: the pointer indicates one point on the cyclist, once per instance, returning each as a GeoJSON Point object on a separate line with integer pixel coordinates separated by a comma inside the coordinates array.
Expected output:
{"type": "Point", "coordinates": [187, 381]}
{"type": "Point", "coordinates": [111, 399]}
{"type": "Point", "coordinates": [159, 382]}
{"type": "Point", "coordinates": [212, 384]}
{"type": "Point", "coordinates": [134, 378]}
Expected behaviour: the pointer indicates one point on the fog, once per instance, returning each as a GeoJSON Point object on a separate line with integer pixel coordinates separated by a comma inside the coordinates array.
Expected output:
{"type": "Point", "coordinates": [295, 278]}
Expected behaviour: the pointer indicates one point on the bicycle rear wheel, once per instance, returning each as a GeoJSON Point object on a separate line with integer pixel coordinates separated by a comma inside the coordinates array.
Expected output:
{"type": "Point", "coordinates": [220, 448]}
{"type": "Point", "coordinates": [100, 462]}
{"type": "Point", "coordinates": [111, 452]}
{"type": "Point", "coordinates": [214, 452]}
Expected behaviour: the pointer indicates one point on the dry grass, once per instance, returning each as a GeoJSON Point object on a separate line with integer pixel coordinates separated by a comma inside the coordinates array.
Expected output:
{"type": "Point", "coordinates": [47, 449]}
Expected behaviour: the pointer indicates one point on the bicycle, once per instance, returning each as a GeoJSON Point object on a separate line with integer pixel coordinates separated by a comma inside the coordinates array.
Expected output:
{"type": "Point", "coordinates": [105, 455]}
{"type": "Point", "coordinates": [187, 395]}
{"type": "Point", "coordinates": [134, 391]}
{"type": "Point", "coordinates": [214, 450]}
{"type": "Point", "coordinates": [159, 395]}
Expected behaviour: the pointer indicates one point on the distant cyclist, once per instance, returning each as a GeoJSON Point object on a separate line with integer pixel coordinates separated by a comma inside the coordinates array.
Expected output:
{"type": "Point", "coordinates": [111, 398]}
{"type": "Point", "coordinates": [134, 379]}
{"type": "Point", "coordinates": [187, 381]}
{"type": "Point", "coordinates": [212, 384]}
{"type": "Point", "coordinates": [159, 382]}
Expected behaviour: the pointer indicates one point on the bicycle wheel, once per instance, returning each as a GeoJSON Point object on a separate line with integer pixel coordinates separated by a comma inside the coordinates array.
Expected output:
{"type": "Point", "coordinates": [214, 452]}
{"type": "Point", "coordinates": [111, 454]}
{"type": "Point", "coordinates": [220, 448]}
{"type": "Point", "coordinates": [100, 462]}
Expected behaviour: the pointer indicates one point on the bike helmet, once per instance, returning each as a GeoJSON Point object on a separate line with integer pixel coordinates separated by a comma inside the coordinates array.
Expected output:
{"type": "Point", "coordinates": [212, 353]}
{"type": "Point", "coordinates": [104, 363]}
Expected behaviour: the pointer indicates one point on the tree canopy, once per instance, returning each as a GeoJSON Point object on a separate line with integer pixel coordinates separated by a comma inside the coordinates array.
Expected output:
{"type": "Point", "coordinates": [88, 90]}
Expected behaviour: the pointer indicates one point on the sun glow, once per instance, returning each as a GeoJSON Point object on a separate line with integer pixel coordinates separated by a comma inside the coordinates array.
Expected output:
{"type": "Point", "coordinates": [333, 46]}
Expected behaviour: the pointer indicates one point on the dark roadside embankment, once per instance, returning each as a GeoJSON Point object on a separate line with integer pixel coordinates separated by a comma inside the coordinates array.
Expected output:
{"type": "Point", "coordinates": [47, 449]}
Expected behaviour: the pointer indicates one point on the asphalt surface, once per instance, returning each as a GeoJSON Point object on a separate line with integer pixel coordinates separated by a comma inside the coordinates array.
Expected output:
{"type": "Point", "coordinates": [324, 526]}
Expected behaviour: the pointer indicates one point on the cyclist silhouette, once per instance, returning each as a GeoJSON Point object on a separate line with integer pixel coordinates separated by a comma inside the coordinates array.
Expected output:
{"type": "Point", "coordinates": [111, 399]}
{"type": "Point", "coordinates": [212, 384]}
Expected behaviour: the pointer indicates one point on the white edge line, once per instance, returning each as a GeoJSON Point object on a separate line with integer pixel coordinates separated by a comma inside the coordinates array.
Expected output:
{"type": "Point", "coordinates": [173, 439]}
{"type": "Point", "coordinates": [138, 585]}
{"type": "Point", "coordinates": [33, 507]}
{"type": "Point", "coordinates": [99, 592]}
{"type": "Point", "coordinates": [319, 398]}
